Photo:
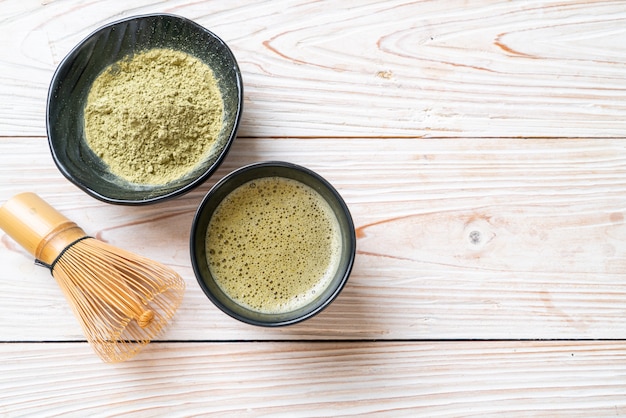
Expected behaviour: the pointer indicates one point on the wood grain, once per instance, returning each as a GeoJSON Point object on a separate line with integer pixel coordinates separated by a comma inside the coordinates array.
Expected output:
{"type": "Point", "coordinates": [469, 238]}
{"type": "Point", "coordinates": [367, 68]}
{"type": "Point", "coordinates": [480, 147]}
{"type": "Point", "coordinates": [319, 379]}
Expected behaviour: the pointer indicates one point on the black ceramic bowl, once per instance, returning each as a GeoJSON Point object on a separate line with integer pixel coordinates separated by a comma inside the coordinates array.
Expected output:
{"type": "Point", "coordinates": [73, 78]}
{"type": "Point", "coordinates": [199, 240]}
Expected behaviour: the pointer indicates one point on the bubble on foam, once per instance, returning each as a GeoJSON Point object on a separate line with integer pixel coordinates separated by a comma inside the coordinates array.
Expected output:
{"type": "Point", "coordinates": [283, 241]}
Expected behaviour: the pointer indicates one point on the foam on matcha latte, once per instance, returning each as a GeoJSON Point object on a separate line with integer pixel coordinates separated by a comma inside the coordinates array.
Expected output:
{"type": "Point", "coordinates": [273, 244]}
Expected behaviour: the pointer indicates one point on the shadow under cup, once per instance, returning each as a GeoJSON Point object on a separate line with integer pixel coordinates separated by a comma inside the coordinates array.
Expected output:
{"type": "Point", "coordinates": [231, 182]}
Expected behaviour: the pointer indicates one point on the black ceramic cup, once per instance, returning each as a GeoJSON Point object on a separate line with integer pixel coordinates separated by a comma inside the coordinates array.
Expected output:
{"type": "Point", "coordinates": [76, 73]}
{"type": "Point", "coordinates": [200, 238]}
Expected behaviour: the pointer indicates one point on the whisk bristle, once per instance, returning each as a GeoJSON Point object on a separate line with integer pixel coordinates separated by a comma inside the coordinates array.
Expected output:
{"type": "Point", "coordinates": [121, 300]}
{"type": "Point", "coordinates": [145, 318]}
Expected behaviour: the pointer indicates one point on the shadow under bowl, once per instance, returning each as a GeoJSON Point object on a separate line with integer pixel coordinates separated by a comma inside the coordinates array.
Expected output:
{"type": "Point", "coordinates": [72, 81]}
{"type": "Point", "coordinates": [199, 238]}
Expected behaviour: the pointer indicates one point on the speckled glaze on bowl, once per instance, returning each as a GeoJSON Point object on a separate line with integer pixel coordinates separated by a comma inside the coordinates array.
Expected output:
{"type": "Point", "coordinates": [73, 78]}
{"type": "Point", "coordinates": [229, 183]}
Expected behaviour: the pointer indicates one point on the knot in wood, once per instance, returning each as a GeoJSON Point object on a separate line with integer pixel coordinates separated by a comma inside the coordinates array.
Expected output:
{"type": "Point", "coordinates": [475, 237]}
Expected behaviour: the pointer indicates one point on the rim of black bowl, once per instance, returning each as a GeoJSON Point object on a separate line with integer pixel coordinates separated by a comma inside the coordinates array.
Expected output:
{"type": "Point", "coordinates": [329, 299]}
{"type": "Point", "coordinates": [182, 190]}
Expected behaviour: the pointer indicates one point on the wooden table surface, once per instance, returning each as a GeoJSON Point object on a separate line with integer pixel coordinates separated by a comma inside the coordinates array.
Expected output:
{"type": "Point", "coordinates": [481, 147]}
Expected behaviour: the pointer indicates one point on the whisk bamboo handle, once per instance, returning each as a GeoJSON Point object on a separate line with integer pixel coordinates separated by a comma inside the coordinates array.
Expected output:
{"type": "Point", "coordinates": [45, 233]}
{"type": "Point", "coordinates": [38, 227]}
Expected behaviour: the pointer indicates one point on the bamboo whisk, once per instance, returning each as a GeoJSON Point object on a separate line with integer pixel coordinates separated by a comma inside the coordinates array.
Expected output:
{"type": "Point", "coordinates": [121, 300]}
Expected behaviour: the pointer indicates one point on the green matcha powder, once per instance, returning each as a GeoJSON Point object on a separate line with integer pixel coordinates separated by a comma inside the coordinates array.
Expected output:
{"type": "Point", "coordinates": [154, 116]}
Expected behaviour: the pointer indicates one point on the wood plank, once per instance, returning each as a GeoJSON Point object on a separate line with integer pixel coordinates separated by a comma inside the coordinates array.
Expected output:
{"type": "Point", "coordinates": [322, 379]}
{"type": "Point", "coordinates": [368, 68]}
{"type": "Point", "coordinates": [468, 238]}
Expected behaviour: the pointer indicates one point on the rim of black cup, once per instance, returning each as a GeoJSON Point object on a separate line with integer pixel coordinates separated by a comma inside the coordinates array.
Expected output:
{"type": "Point", "coordinates": [198, 255]}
